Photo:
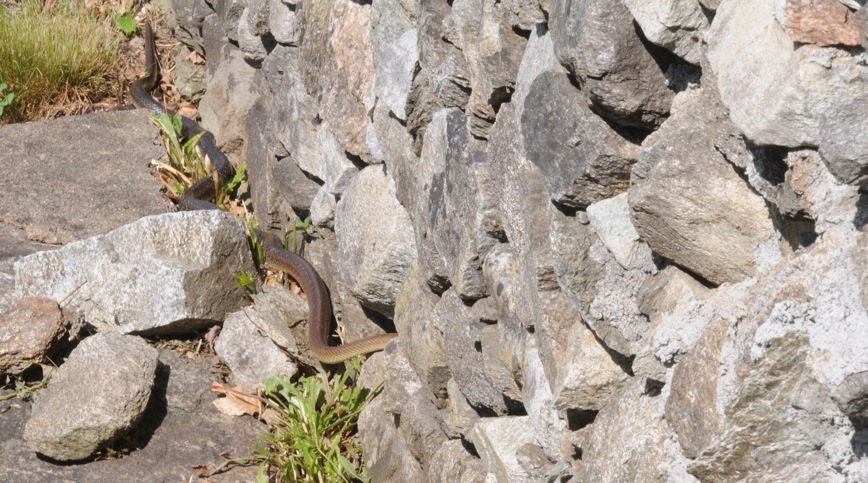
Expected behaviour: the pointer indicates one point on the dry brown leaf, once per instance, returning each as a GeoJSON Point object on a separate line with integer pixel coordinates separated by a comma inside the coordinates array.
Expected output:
{"type": "Point", "coordinates": [236, 402]}
{"type": "Point", "coordinates": [195, 58]}
{"type": "Point", "coordinates": [188, 110]}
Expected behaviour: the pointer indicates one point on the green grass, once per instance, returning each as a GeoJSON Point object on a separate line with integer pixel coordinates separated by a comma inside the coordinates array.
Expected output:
{"type": "Point", "coordinates": [54, 56]}
{"type": "Point", "coordinates": [313, 436]}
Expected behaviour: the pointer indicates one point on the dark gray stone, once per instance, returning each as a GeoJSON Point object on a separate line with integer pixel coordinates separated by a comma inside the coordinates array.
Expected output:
{"type": "Point", "coordinates": [843, 146]}
{"type": "Point", "coordinates": [597, 41]}
{"type": "Point", "coordinates": [64, 179]}
{"type": "Point", "coordinates": [582, 158]}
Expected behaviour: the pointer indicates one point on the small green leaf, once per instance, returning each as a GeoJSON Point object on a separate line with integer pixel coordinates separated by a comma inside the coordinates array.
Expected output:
{"type": "Point", "coordinates": [124, 22]}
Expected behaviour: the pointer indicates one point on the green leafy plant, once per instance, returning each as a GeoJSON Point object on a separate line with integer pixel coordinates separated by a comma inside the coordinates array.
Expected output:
{"type": "Point", "coordinates": [6, 98]}
{"type": "Point", "coordinates": [298, 226]}
{"type": "Point", "coordinates": [229, 187]}
{"type": "Point", "coordinates": [54, 56]}
{"type": "Point", "coordinates": [186, 166]}
{"type": "Point", "coordinates": [246, 282]}
{"type": "Point", "coordinates": [312, 439]}
{"type": "Point", "coordinates": [125, 23]}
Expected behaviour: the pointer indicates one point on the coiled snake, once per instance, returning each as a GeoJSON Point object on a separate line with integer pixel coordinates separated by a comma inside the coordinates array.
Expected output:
{"type": "Point", "coordinates": [275, 256]}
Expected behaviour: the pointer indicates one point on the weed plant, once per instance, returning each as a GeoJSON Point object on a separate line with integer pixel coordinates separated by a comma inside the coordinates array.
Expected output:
{"type": "Point", "coordinates": [313, 436]}
{"type": "Point", "coordinates": [54, 54]}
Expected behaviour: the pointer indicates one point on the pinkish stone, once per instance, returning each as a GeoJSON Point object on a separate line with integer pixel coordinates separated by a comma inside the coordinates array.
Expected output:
{"type": "Point", "coordinates": [820, 22]}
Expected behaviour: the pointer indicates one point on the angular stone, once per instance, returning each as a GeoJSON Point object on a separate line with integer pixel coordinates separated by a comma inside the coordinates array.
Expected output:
{"type": "Point", "coordinates": [497, 440]}
{"type": "Point", "coordinates": [462, 416]}
{"type": "Point", "coordinates": [692, 407]}
{"type": "Point", "coordinates": [842, 147]}
{"type": "Point", "coordinates": [821, 22]}
{"type": "Point", "coordinates": [337, 69]}
{"type": "Point", "coordinates": [493, 52]}
{"type": "Point", "coordinates": [330, 164]}
{"type": "Point", "coordinates": [779, 424]}
{"type": "Point", "coordinates": [27, 331]}
{"type": "Point", "coordinates": [597, 41]}
{"type": "Point", "coordinates": [250, 355]}
{"type": "Point", "coordinates": [230, 94]}
{"type": "Point", "coordinates": [632, 431]}
{"type": "Point", "coordinates": [280, 315]}
{"type": "Point", "coordinates": [418, 333]}
{"type": "Point", "coordinates": [49, 196]}
{"type": "Point", "coordinates": [96, 397]}
{"type": "Point", "coordinates": [723, 235]}
{"type": "Point", "coordinates": [395, 71]}
{"type": "Point", "coordinates": [581, 157]}
{"type": "Point", "coordinates": [675, 25]}
{"type": "Point", "coordinates": [376, 240]}
{"type": "Point", "coordinates": [401, 428]}
{"type": "Point", "coordinates": [778, 94]}
{"type": "Point", "coordinates": [526, 14]}
{"type": "Point", "coordinates": [588, 383]}
{"type": "Point", "coordinates": [454, 464]}
{"type": "Point", "coordinates": [610, 219]}
{"type": "Point", "coordinates": [249, 40]}
{"type": "Point", "coordinates": [161, 274]}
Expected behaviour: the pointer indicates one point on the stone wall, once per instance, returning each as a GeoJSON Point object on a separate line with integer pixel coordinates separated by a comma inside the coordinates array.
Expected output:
{"type": "Point", "coordinates": [619, 240]}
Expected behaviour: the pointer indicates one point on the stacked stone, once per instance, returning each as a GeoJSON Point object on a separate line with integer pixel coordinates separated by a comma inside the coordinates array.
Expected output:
{"type": "Point", "coordinates": [619, 240]}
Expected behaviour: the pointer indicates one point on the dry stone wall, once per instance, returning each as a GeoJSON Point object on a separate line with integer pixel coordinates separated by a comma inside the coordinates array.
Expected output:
{"type": "Point", "coordinates": [619, 240]}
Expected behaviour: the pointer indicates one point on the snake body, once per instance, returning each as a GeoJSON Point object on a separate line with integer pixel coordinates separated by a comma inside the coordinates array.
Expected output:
{"type": "Point", "coordinates": [275, 256]}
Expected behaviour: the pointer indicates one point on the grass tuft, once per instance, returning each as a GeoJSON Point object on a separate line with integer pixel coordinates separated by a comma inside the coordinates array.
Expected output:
{"type": "Point", "coordinates": [54, 54]}
{"type": "Point", "coordinates": [312, 437]}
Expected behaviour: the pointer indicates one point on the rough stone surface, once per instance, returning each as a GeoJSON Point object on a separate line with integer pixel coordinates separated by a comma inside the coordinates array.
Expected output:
{"type": "Point", "coordinates": [250, 355]}
{"type": "Point", "coordinates": [777, 94]}
{"type": "Point", "coordinates": [611, 221]}
{"type": "Point", "coordinates": [497, 441]}
{"type": "Point", "coordinates": [96, 397]}
{"type": "Point", "coordinates": [27, 331]}
{"type": "Point", "coordinates": [723, 235]}
{"type": "Point", "coordinates": [374, 263]}
{"type": "Point", "coordinates": [620, 79]}
{"type": "Point", "coordinates": [53, 198]}
{"type": "Point", "coordinates": [676, 25]}
{"type": "Point", "coordinates": [161, 274]}
{"type": "Point", "coordinates": [821, 22]}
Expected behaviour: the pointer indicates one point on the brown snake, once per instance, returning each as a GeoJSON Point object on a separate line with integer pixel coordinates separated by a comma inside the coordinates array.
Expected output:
{"type": "Point", "coordinates": [275, 256]}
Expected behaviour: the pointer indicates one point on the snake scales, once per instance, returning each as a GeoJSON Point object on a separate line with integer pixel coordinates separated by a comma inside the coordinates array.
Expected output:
{"type": "Point", "coordinates": [275, 256]}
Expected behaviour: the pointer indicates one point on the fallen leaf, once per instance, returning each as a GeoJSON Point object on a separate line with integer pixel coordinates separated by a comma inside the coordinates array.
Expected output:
{"type": "Point", "coordinates": [236, 402]}
{"type": "Point", "coordinates": [188, 110]}
{"type": "Point", "coordinates": [195, 58]}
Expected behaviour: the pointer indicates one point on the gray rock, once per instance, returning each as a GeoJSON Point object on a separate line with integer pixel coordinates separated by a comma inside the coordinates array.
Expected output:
{"type": "Point", "coordinates": [188, 77]}
{"type": "Point", "coordinates": [581, 157]}
{"type": "Point", "coordinates": [180, 428]}
{"type": "Point", "coordinates": [676, 25]}
{"type": "Point", "coordinates": [27, 331]}
{"type": "Point", "coordinates": [252, 48]}
{"type": "Point", "coordinates": [162, 274]}
{"type": "Point", "coordinates": [186, 19]}
{"type": "Point", "coordinates": [283, 22]}
{"type": "Point", "coordinates": [780, 423]}
{"type": "Point", "coordinates": [778, 94]}
{"type": "Point", "coordinates": [842, 147]}
{"type": "Point", "coordinates": [229, 97]}
{"type": "Point", "coordinates": [395, 71]}
{"type": "Point", "coordinates": [280, 315]}
{"type": "Point", "coordinates": [462, 416]}
{"type": "Point", "coordinates": [53, 200]}
{"type": "Point", "coordinates": [493, 52]}
{"type": "Point", "coordinates": [96, 397]}
{"type": "Point", "coordinates": [454, 464]}
{"type": "Point", "coordinates": [250, 355]}
{"type": "Point", "coordinates": [610, 219]}
{"type": "Point", "coordinates": [335, 169]}
{"type": "Point", "coordinates": [375, 240]}
{"type": "Point", "coordinates": [692, 406]}
{"type": "Point", "coordinates": [723, 235]}
{"type": "Point", "coordinates": [419, 334]}
{"type": "Point", "coordinates": [643, 452]}
{"type": "Point", "coordinates": [401, 427]}
{"type": "Point", "coordinates": [597, 42]}
{"type": "Point", "coordinates": [497, 440]}
{"type": "Point", "coordinates": [336, 67]}
{"type": "Point", "coordinates": [462, 329]}
{"type": "Point", "coordinates": [526, 14]}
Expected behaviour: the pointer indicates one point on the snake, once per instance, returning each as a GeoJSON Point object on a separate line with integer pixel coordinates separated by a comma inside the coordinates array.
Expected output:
{"type": "Point", "coordinates": [196, 196]}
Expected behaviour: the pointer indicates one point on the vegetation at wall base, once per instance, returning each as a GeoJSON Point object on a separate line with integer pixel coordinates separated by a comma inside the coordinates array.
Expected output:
{"type": "Point", "coordinates": [54, 54]}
